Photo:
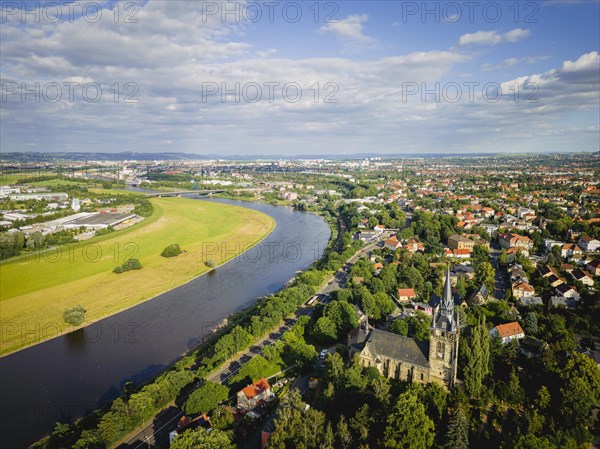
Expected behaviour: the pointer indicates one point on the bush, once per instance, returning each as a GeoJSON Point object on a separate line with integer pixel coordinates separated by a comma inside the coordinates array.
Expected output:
{"type": "Point", "coordinates": [74, 315]}
{"type": "Point", "coordinates": [130, 264]}
{"type": "Point", "coordinates": [172, 250]}
{"type": "Point", "coordinates": [210, 263]}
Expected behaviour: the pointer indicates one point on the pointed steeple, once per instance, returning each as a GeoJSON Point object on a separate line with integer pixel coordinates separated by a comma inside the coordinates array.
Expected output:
{"type": "Point", "coordinates": [447, 306]}
{"type": "Point", "coordinates": [444, 318]}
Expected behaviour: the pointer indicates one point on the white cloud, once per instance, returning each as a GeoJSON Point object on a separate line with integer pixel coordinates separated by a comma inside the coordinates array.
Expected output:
{"type": "Point", "coordinates": [493, 37]}
{"type": "Point", "coordinates": [350, 28]}
{"type": "Point", "coordinates": [588, 61]}
{"type": "Point", "coordinates": [511, 62]}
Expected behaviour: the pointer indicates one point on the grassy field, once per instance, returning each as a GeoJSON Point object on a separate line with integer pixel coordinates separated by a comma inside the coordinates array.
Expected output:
{"type": "Point", "coordinates": [36, 289]}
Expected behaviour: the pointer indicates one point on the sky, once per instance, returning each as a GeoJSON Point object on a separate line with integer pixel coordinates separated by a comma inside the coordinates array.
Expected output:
{"type": "Point", "coordinates": [300, 78]}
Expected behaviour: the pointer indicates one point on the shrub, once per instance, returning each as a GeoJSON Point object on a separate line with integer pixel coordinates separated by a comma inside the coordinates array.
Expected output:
{"type": "Point", "coordinates": [132, 264]}
{"type": "Point", "coordinates": [172, 250]}
{"type": "Point", "coordinates": [210, 263]}
{"type": "Point", "coordinates": [74, 315]}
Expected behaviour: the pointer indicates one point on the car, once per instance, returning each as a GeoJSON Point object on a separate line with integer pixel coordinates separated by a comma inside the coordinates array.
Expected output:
{"type": "Point", "coordinates": [323, 354]}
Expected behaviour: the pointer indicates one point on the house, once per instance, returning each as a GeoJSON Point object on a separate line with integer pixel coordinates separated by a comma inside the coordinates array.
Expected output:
{"type": "Point", "coordinates": [582, 276]}
{"type": "Point", "coordinates": [479, 296]}
{"type": "Point", "coordinates": [508, 332]}
{"type": "Point", "coordinates": [562, 302]}
{"type": "Point", "coordinates": [522, 289]}
{"type": "Point", "coordinates": [463, 253]}
{"type": "Point", "coordinates": [588, 243]}
{"type": "Point", "coordinates": [570, 250]}
{"type": "Point", "coordinates": [379, 227]}
{"type": "Point", "coordinates": [530, 301]}
{"type": "Point", "coordinates": [554, 281]}
{"type": "Point", "coordinates": [566, 291]}
{"type": "Point", "coordinates": [509, 240]}
{"type": "Point", "coordinates": [377, 266]}
{"type": "Point", "coordinates": [187, 423]}
{"type": "Point", "coordinates": [593, 267]}
{"type": "Point", "coordinates": [460, 242]}
{"type": "Point", "coordinates": [412, 246]}
{"type": "Point", "coordinates": [460, 270]}
{"type": "Point", "coordinates": [406, 294]}
{"type": "Point", "coordinates": [425, 308]}
{"type": "Point", "coordinates": [254, 394]}
{"type": "Point", "coordinates": [392, 243]}
{"type": "Point", "coordinates": [517, 273]}
{"type": "Point", "coordinates": [546, 271]}
{"type": "Point", "coordinates": [512, 253]}
{"type": "Point", "coordinates": [531, 347]}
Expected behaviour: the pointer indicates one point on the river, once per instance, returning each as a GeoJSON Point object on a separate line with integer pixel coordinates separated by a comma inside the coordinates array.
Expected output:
{"type": "Point", "coordinates": [69, 376]}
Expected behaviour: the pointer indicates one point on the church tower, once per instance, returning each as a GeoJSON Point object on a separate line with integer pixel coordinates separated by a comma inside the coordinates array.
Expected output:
{"type": "Point", "coordinates": [443, 340]}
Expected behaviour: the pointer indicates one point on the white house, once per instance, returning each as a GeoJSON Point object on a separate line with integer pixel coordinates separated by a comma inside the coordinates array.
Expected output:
{"type": "Point", "coordinates": [508, 332]}
{"type": "Point", "coordinates": [588, 243]}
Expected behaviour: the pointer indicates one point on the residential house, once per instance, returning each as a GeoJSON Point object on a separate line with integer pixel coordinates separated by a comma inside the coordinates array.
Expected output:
{"type": "Point", "coordinates": [392, 243]}
{"type": "Point", "coordinates": [562, 302]}
{"type": "Point", "coordinates": [413, 246]}
{"type": "Point", "coordinates": [254, 394]}
{"type": "Point", "coordinates": [583, 276]}
{"type": "Point", "coordinates": [522, 289]}
{"type": "Point", "coordinates": [460, 242]}
{"type": "Point", "coordinates": [570, 250]}
{"type": "Point", "coordinates": [425, 308]}
{"type": "Point", "coordinates": [508, 332]}
{"type": "Point", "coordinates": [508, 240]}
{"type": "Point", "coordinates": [546, 271]}
{"type": "Point", "coordinates": [593, 267]}
{"type": "Point", "coordinates": [406, 294]}
{"type": "Point", "coordinates": [566, 291]}
{"type": "Point", "coordinates": [530, 301]}
{"type": "Point", "coordinates": [479, 297]}
{"type": "Point", "coordinates": [588, 243]}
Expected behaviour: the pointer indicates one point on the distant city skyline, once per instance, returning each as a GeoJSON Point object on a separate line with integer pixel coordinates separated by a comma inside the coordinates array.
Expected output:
{"type": "Point", "coordinates": [300, 78]}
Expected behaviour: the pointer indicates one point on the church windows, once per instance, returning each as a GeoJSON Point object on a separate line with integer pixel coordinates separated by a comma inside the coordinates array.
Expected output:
{"type": "Point", "coordinates": [440, 349]}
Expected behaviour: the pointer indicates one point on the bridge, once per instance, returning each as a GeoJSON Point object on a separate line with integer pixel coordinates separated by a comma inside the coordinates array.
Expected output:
{"type": "Point", "coordinates": [184, 192]}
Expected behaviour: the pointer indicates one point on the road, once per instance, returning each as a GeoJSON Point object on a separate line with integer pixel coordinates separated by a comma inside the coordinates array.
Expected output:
{"type": "Point", "coordinates": [166, 420]}
{"type": "Point", "coordinates": [500, 277]}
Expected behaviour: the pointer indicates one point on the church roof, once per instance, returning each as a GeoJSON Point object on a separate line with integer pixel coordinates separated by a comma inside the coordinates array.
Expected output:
{"type": "Point", "coordinates": [398, 347]}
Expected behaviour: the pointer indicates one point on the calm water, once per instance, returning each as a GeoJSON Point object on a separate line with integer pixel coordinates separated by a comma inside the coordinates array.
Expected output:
{"type": "Point", "coordinates": [68, 376]}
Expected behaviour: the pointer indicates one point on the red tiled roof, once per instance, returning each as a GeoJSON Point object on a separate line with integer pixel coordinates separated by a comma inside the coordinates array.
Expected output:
{"type": "Point", "coordinates": [406, 292]}
{"type": "Point", "coordinates": [256, 388]}
{"type": "Point", "coordinates": [509, 329]}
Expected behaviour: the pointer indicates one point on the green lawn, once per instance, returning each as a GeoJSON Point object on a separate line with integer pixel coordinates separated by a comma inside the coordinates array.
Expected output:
{"type": "Point", "coordinates": [36, 289]}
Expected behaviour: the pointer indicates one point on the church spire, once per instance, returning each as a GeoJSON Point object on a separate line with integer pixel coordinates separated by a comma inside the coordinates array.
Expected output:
{"type": "Point", "coordinates": [444, 318]}
{"type": "Point", "coordinates": [447, 306]}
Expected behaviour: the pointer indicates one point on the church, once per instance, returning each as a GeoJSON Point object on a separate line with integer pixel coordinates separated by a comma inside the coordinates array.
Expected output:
{"type": "Point", "coordinates": [407, 359]}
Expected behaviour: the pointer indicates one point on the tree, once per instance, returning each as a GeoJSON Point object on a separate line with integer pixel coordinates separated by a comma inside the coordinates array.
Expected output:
{"type": "Point", "coordinates": [325, 330]}
{"type": "Point", "coordinates": [484, 274]}
{"type": "Point", "coordinates": [343, 315]}
{"type": "Point", "coordinates": [206, 398]}
{"type": "Point", "coordinates": [172, 250]}
{"type": "Point", "coordinates": [408, 426]}
{"type": "Point", "coordinates": [457, 436]}
{"type": "Point", "coordinates": [480, 255]}
{"type": "Point", "coordinates": [334, 368]}
{"type": "Point", "coordinates": [361, 423]}
{"type": "Point", "coordinates": [399, 327]}
{"type": "Point", "coordinates": [74, 315]}
{"type": "Point", "coordinates": [477, 352]}
{"type": "Point", "coordinates": [581, 388]}
{"type": "Point", "coordinates": [343, 433]}
{"type": "Point", "coordinates": [533, 442]}
{"type": "Point", "coordinates": [503, 258]}
{"type": "Point", "coordinates": [197, 439]}
{"type": "Point", "coordinates": [530, 325]}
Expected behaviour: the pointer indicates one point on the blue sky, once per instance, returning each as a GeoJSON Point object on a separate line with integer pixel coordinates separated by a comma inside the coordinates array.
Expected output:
{"type": "Point", "coordinates": [150, 77]}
